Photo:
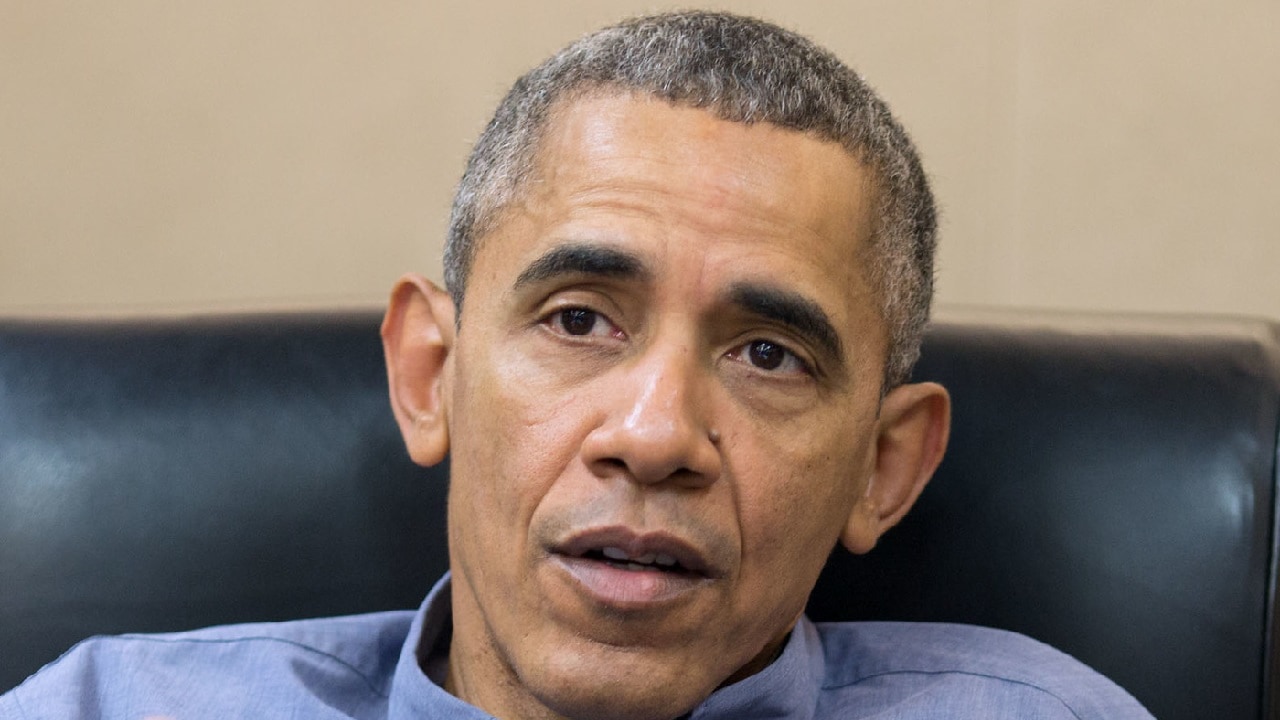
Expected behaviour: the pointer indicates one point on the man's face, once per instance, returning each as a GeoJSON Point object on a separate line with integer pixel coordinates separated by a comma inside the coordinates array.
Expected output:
{"type": "Point", "coordinates": [662, 407]}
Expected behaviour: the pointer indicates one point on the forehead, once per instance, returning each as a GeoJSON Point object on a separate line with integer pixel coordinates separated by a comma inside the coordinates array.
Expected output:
{"type": "Point", "coordinates": [677, 185]}
{"type": "Point", "coordinates": [613, 140]}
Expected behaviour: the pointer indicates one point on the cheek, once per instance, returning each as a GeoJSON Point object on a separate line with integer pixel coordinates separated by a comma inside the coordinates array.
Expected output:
{"type": "Point", "coordinates": [793, 504]}
{"type": "Point", "coordinates": [788, 533]}
{"type": "Point", "coordinates": [512, 434]}
{"type": "Point", "coordinates": [794, 522]}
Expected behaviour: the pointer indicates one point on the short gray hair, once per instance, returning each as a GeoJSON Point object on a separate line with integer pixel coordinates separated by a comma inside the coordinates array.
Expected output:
{"type": "Point", "coordinates": [741, 70]}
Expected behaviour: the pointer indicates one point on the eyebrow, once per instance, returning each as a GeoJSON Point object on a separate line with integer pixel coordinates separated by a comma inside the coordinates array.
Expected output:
{"type": "Point", "coordinates": [583, 259]}
{"type": "Point", "coordinates": [792, 310]}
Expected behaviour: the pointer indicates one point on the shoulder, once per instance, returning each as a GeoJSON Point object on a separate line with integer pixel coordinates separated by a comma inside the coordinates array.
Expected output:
{"type": "Point", "coordinates": [981, 672]}
{"type": "Point", "coordinates": [227, 671]}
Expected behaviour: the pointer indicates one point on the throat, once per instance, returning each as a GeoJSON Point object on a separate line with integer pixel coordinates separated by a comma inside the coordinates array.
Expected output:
{"type": "Point", "coordinates": [766, 657]}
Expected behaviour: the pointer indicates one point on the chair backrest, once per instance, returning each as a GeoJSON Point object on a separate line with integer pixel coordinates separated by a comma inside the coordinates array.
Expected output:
{"type": "Point", "coordinates": [1110, 489]}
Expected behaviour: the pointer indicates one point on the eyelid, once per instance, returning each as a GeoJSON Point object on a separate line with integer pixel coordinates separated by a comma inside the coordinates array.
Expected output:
{"type": "Point", "coordinates": [562, 301]}
{"type": "Point", "coordinates": [742, 348]}
{"type": "Point", "coordinates": [591, 296]}
{"type": "Point", "coordinates": [558, 322]}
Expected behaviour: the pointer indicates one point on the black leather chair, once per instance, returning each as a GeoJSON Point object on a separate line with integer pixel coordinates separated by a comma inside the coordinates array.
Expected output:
{"type": "Point", "coordinates": [1110, 489]}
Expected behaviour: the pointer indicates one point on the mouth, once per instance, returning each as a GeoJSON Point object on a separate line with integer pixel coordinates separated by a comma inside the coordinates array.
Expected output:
{"type": "Point", "coordinates": [625, 570]}
{"type": "Point", "coordinates": [621, 559]}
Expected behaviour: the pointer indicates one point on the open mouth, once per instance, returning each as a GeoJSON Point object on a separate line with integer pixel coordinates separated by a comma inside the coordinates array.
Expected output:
{"type": "Point", "coordinates": [623, 549]}
{"type": "Point", "coordinates": [624, 570]}
{"type": "Point", "coordinates": [650, 561]}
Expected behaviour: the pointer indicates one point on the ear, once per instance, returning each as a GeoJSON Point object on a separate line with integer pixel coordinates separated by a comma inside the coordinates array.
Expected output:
{"type": "Point", "coordinates": [417, 336]}
{"type": "Point", "coordinates": [912, 432]}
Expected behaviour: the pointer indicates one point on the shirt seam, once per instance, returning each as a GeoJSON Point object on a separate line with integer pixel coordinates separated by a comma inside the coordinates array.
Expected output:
{"type": "Point", "coordinates": [17, 702]}
{"type": "Point", "coordinates": [369, 683]}
{"type": "Point", "coordinates": [986, 676]}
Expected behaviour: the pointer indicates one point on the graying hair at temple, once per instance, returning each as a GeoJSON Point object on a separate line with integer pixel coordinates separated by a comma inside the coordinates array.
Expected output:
{"type": "Point", "coordinates": [742, 70]}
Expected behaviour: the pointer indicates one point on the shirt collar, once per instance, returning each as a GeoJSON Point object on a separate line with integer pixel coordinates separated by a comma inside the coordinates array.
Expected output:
{"type": "Point", "coordinates": [413, 695]}
{"type": "Point", "coordinates": [787, 688]}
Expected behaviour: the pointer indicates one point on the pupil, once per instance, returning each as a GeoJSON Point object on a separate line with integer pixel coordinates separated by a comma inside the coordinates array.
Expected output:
{"type": "Point", "coordinates": [578, 321]}
{"type": "Point", "coordinates": [765, 355]}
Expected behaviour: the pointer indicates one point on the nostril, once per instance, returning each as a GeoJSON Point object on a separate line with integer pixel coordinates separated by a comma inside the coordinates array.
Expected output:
{"type": "Point", "coordinates": [613, 467]}
{"type": "Point", "coordinates": [611, 463]}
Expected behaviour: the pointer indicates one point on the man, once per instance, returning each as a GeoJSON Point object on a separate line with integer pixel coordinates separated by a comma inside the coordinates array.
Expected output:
{"type": "Point", "coordinates": [688, 268]}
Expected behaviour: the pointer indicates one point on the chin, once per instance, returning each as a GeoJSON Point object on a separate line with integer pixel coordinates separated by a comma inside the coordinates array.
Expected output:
{"type": "Point", "coordinates": [621, 688]}
{"type": "Point", "coordinates": [612, 703]}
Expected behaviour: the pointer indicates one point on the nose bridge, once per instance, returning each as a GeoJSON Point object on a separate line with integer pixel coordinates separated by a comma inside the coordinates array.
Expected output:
{"type": "Point", "coordinates": [658, 427]}
{"type": "Point", "coordinates": [663, 402]}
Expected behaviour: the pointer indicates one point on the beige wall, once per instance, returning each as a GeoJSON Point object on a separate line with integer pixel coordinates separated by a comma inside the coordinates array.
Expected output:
{"type": "Point", "coordinates": [246, 154]}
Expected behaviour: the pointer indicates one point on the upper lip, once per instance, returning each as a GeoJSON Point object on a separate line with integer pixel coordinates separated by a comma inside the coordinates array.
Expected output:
{"type": "Point", "coordinates": [638, 543]}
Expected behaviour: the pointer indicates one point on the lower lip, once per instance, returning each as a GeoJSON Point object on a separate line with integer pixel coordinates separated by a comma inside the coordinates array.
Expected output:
{"type": "Point", "coordinates": [621, 589]}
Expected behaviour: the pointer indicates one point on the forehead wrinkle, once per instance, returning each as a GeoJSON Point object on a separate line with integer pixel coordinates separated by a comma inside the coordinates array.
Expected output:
{"type": "Point", "coordinates": [584, 258]}
{"type": "Point", "coordinates": [791, 309]}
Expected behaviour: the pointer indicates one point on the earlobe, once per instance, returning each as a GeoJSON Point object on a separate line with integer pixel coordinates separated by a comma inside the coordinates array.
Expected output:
{"type": "Point", "coordinates": [913, 428]}
{"type": "Point", "coordinates": [417, 337]}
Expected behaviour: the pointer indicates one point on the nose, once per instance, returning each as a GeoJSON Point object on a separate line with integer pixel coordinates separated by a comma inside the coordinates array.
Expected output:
{"type": "Point", "coordinates": [655, 426]}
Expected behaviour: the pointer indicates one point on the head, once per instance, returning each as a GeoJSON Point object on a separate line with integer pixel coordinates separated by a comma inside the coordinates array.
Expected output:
{"type": "Point", "coordinates": [676, 269]}
{"type": "Point", "coordinates": [740, 70]}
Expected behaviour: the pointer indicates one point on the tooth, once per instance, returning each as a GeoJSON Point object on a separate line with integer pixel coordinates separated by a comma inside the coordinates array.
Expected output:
{"type": "Point", "coordinates": [614, 553]}
{"type": "Point", "coordinates": [664, 560]}
{"type": "Point", "coordinates": [646, 559]}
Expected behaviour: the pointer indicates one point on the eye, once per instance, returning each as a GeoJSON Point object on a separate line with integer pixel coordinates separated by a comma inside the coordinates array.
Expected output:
{"type": "Point", "coordinates": [770, 357]}
{"type": "Point", "coordinates": [765, 355]}
{"type": "Point", "coordinates": [581, 322]}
